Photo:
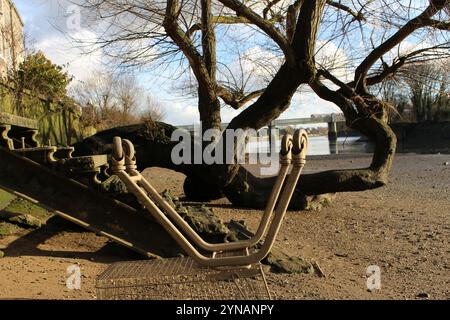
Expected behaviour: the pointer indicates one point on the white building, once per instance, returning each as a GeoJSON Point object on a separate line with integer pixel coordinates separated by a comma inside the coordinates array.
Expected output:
{"type": "Point", "coordinates": [12, 47]}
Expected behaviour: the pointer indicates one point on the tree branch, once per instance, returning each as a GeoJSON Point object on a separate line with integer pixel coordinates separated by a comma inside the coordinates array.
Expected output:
{"type": "Point", "coordinates": [268, 28]}
{"type": "Point", "coordinates": [269, 7]}
{"type": "Point", "coordinates": [184, 43]}
{"type": "Point", "coordinates": [420, 21]}
{"type": "Point", "coordinates": [278, 94]}
{"type": "Point", "coordinates": [441, 25]}
{"type": "Point", "coordinates": [358, 16]}
{"type": "Point", "coordinates": [229, 20]}
{"type": "Point", "coordinates": [237, 101]}
{"type": "Point", "coordinates": [304, 40]}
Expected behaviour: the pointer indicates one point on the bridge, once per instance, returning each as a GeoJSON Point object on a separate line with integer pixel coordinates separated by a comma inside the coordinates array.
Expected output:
{"type": "Point", "coordinates": [331, 119]}
{"type": "Point", "coordinates": [314, 119]}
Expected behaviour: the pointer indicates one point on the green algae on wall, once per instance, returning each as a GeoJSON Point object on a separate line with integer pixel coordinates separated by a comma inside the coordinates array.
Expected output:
{"type": "Point", "coordinates": [59, 122]}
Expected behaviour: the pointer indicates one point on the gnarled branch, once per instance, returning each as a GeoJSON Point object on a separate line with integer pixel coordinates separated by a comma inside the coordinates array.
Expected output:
{"type": "Point", "coordinates": [184, 43]}
{"type": "Point", "coordinates": [420, 21]}
{"type": "Point", "coordinates": [237, 100]}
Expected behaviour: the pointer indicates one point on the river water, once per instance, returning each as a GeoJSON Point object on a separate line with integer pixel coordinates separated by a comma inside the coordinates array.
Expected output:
{"type": "Point", "coordinates": [318, 145]}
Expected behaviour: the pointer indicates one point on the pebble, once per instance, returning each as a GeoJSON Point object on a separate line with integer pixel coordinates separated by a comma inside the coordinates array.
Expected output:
{"type": "Point", "coordinates": [341, 254]}
{"type": "Point", "coordinates": [446, 163]}
{"type": "Point", "coordinates": [423, 295]}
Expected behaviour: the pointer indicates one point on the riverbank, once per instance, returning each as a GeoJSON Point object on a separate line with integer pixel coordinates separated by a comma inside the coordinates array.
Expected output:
{"type": "Point", "coordinates": [403, 228]}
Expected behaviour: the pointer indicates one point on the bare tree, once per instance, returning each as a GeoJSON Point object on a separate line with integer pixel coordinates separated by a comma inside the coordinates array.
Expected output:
{"type": "Point", "coordinates": [371, 35]}
{"type": "Point", "coordinates": [152, 110]}
{"type": "Point", "coordinates": [429, 90]}
{"type": "Point", "coordinates": [109, 100]}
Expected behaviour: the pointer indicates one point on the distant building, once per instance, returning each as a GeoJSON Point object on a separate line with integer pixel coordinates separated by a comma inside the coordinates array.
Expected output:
{"type": "Point", "coordinates": [12, 47]}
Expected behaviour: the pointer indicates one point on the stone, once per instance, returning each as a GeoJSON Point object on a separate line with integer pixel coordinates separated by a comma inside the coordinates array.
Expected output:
{"type": "Point", "coordinates": [2, 254]}
{"type": "Point", "coordinates": [113, 185]}
{"type": "Point", "coordinates": [446, 163]}
{"type": "Point", "coordinates": [7, 228]}
{"type": "Point", "coordinates": [423, 295]}
{"type": "Point", "coordinates": [315, 202]}
{"type": "Point", "coordinates": [24, 220]}
{"type": "Point", "coordinates": [201, 219]}
{"type": "Point", "coordinates": [285, 264]}
{"type": "Point", "coordinates": [6, 118]}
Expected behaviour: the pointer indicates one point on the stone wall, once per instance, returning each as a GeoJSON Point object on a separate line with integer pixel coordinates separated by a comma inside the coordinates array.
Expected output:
{"type": "Point", "coordinates": [58, 121]}
{"type": "Point", "coordinates": [425, 137]}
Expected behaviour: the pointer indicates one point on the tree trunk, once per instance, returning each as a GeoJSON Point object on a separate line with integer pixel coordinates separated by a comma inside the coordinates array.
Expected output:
{"type": "Point", "coordinates": [154, 148]}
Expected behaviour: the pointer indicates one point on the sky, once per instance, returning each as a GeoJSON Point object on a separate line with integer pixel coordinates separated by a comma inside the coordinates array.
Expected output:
{"type": "Point", "coordinates": [41, 18]}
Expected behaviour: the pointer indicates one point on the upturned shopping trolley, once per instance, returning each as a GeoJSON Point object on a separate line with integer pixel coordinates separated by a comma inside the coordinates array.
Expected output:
{"type": "Point", "coordinates": [211, 270]}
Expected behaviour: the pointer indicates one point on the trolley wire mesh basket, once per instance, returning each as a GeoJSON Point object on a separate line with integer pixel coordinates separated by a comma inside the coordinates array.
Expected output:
{"type": "Point", "coordinates": [180, 279]}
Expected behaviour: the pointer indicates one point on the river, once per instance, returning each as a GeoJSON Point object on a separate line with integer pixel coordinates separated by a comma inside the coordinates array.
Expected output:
{"type": "Point", "coordinates": [318, 145]}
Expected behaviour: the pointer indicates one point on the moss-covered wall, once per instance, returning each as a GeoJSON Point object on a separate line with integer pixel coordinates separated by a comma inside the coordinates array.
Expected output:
{"type": "Point", "coordinates": [58, 121]}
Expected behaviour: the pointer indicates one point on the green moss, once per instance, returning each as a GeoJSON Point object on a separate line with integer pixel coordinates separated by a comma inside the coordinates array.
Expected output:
{"type": "Point", "coordinates": [24, 207]}
{"type": "Point", "coordinates": [5, 199]}
{"type": "Point", "coordinates": [58, 121]}
{"type": "Point", "coordinates": [23, 213]}
{"type": "Point", "coordinates": [7, 229]}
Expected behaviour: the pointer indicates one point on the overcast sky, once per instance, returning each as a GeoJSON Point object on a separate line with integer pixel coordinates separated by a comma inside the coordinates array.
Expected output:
{"type": "Point", "coordinates": [41, 17]}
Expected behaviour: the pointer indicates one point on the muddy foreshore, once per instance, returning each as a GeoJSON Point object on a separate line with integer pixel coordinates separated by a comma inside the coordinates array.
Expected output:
{"type": "Point", "coordinates": [404, 228]}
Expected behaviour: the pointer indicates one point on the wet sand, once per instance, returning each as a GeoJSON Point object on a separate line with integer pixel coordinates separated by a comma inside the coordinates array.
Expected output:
{"type": "Point", "coordinates": [403, 228]}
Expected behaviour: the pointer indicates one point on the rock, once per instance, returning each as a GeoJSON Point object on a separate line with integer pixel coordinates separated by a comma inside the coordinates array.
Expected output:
{"type": "Point", "coordinates": [423, 295]}
{"type": "Point", "coordinates": [446, 163]}
{"type": "Point", "coordinates": [113, 185]}
{"type": "Point", "coordinates": [315, 202]}
{"type": "Point", "coordinates": [212, 229]}
{"type": "Point", "coordinates": [341, 254]}
{"type": "Point", "coordinates": [2, 254]}
{"type": "Point", "coordinates": [7, 228]}
{"type": "Point", "coordinates": [286, 264]}
{"type": "Point", "coordinates": [277, 259]}
{"type": "Point", "coordinates": [201, 219]}
{"type": "Point", "coordinates": [24, 220]}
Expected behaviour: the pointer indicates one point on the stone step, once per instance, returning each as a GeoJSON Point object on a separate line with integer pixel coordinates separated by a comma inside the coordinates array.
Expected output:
{"type": "Point", "coordinates": [42, 155]}
{"type": "Point", "coordinates": [5, 140]}
{"type": "Point", "coordinates": [89, 170]}
{"type": "Point", "coordinates": [17, 121]}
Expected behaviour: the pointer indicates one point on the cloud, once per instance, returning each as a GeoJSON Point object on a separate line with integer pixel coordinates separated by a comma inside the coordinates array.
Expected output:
{"type": "Point", "coordinates": [334, 59]}
{"type": "Point", "coordinates": [41, 17]}
{"type": "Point", "coordinates": [180, 113]}
{"type": "Point", "coordinates": [48, 25]}
{"type": "Point", "coordinates": [59, 48]}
